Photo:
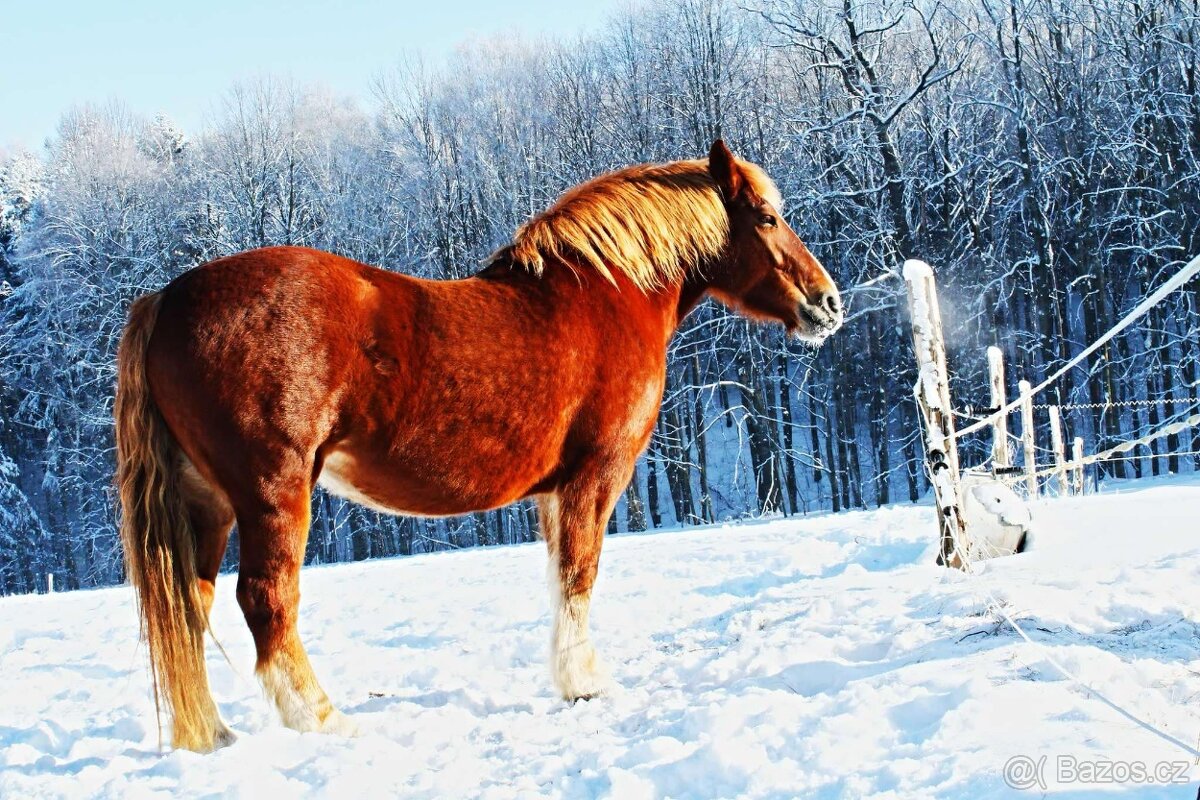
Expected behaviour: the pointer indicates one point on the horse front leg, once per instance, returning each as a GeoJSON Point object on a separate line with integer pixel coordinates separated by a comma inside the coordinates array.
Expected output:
{"type": "Point", "coordinates": [573, 522]}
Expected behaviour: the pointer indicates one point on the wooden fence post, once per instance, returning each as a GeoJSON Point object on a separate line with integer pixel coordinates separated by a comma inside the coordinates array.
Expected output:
{"type": "Point", "coordinates": [49, 583]}
{"type": "Point", "coordinates": [1027, 438]}
{"type": "Point", "coordinates": [1077, 459]}
{"type": "Point", "coordinates": [932, 393]}
{"type": "Point", "coordinates": [1060, 459]}
{"type": "Point", "coordinates": [1000, 452]}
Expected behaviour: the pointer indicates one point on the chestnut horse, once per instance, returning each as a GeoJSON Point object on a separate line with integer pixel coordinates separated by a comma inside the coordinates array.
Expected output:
{"type": "Point", "coordinates": [249, 380]}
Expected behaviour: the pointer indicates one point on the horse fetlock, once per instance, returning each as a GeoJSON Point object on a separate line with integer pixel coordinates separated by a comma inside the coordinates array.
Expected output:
{"type": "Point", "coordinates": [203, 738]}
{"type": "Point", "coordinates": [579, 673]}
{"type": "Point", "coordinates": [338, 724]}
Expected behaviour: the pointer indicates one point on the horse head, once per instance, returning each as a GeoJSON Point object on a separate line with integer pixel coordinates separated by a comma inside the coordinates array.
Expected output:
{"type": "Point", "coordinates": [766, 271]}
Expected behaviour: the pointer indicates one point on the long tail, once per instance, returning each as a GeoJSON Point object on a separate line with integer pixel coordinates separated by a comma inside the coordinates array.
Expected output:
{"type": "Point", "coordinates": [160, 549]}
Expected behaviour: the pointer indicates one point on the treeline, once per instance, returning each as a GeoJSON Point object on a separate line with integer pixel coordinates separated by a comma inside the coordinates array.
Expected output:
{"type": "Point", "coordinates": [1043, 155]}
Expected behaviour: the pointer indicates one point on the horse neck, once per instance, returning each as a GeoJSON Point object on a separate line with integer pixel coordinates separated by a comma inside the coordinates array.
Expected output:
{"type": "Point", "coordinates": [677, 300]}
{"type": "Point", "coordinates": [689, 294]}
{"type": "Point", "coordinates": [667, 305]}
{"type": "Point", "coordinates": [673, 302]}
{"type": "Point", "coordinates": [662, 308]}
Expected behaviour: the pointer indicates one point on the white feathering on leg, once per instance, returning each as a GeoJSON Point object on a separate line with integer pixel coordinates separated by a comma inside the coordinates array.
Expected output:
{"type": "Point", "coordinates": [578, 672]}
{"type": "Point", "coordinates": [295, 710]}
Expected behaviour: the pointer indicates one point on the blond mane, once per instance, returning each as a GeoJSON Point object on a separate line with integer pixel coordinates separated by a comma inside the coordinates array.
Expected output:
{"type": "Point", "coordinates": [650, 223]}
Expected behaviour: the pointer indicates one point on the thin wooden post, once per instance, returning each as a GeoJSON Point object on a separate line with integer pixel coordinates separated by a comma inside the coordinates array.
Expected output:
{"type": "Point", "coordinates": [49, 583]}
{"type": "Point", "coordinates": [932, 392]}
{"type": "Point", "coordinates": [1060, 460]}
{"type": "Point", "coordinates": [1027, 439]}
{"type": "Point", "coordinates": [1077, 459]}
{"type": "Point", "coordinates": [1001, 458]}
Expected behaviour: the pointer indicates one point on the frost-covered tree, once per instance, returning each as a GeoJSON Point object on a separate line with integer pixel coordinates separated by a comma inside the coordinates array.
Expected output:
{"type": "Point", "coordinates": [1043, 155]}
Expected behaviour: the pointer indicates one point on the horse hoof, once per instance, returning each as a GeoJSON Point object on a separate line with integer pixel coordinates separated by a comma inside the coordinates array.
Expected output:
{"type": "Point", "coordinates": [224, 737]}
{"type": "Point", "coordinates": [338, 724]}
{"type": "Point", "coordinates": [587, 683]}
{"type": "Point", "coordinates": [583, 698]}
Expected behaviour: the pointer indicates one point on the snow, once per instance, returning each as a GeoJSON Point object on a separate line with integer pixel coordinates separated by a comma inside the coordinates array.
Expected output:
{"type": "Point", "coordinates": [915, 269]}
{"type": "Point", "coordinates": [928, 383]}
{"type": "Point", "coordinates": [823, 656]}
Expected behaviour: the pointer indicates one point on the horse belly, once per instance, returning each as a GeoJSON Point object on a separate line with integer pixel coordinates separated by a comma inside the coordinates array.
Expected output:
{"type": "Point", "coordinates": [337, 477]}
{"type": "Point", "coordinates": [399, 488]}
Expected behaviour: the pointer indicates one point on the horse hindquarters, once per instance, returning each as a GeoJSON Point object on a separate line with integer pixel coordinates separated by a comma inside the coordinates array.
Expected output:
{"type": "Point", "coordinates": [249, 383]}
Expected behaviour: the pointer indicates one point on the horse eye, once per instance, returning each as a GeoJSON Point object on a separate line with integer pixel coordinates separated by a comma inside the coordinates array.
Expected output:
{"type": "Point", "coordinates": [767, 221]}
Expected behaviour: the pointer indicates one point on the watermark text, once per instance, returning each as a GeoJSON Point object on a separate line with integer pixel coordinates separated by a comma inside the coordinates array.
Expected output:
{"type": "Point", "coordinates": [1027, 772]}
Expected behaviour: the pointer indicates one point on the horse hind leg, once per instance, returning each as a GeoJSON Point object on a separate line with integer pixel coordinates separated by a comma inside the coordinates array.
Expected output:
{"type": "Point", "coordinates": [272, 541]}
{"type": "Point", "coordinates": [211, 519]}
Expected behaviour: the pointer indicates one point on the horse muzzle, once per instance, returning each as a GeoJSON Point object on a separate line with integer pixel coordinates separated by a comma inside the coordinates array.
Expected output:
{"type": "Point", "coordinates": [820, 316]}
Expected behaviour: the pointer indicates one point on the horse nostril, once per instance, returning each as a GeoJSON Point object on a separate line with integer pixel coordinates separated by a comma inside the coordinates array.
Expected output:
{"type": "Point", "coordinates": [833, 303]}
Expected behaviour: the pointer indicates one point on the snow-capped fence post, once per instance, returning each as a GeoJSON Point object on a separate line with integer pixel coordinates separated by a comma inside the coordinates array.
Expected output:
{"type": "Point", "coordinates": [932, 393]}
{"type": "Point", "coordinates": [1027, 439]}
{"type": "Point", "coordinates": [1077, 467]}
{"type": "Point", "coordinates": [1060, 459]}
{"type": "Point", "coordinates": [49, 583]}
{"type": "Point", "coordinates": [1000, 453]}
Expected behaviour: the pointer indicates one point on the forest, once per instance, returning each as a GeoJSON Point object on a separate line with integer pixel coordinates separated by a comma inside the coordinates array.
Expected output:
{"type": "Point", "coordinates": [1042, 155]}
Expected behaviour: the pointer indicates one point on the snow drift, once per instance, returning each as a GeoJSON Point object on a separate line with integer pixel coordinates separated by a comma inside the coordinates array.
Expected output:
{"type": "Point", "coordinates": [821, 656]}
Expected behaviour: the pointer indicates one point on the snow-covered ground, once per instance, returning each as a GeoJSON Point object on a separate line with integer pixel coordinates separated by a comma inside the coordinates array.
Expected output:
{"type": "Point", "coordinates": [810, 657]}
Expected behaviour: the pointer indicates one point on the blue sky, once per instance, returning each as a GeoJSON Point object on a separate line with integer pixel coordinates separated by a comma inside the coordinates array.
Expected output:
{"type": "Point", "coordinates": [179, 57]}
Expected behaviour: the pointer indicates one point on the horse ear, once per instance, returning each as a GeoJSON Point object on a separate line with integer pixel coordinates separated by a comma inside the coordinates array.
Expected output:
{"type": "Point", "coordinates": [724, 170]}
